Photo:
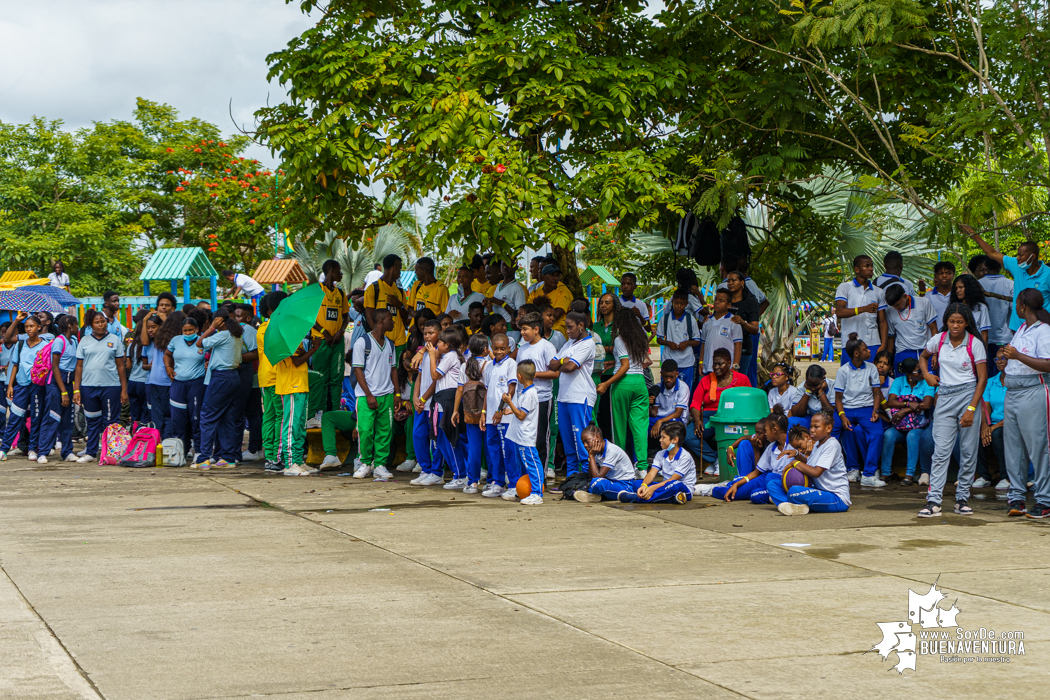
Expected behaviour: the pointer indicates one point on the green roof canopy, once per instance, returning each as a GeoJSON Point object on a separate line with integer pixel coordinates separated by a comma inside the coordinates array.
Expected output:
{"type": "Point", "coordinates": [597, 274]}
{"type": "Point", "coordinates": [178, 263]}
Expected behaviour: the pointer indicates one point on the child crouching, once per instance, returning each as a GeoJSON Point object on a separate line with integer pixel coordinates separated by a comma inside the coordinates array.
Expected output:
{"type": "Point", "coordinates": [673, 465]}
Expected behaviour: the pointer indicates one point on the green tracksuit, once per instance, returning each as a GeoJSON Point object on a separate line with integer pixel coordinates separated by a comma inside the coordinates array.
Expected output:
{"type": "Point", "coordinates": [630, 416]}
{"type": "Point", "coordinates": [374, 429]}
{"type": "Point", "coordinates": [273, 412]}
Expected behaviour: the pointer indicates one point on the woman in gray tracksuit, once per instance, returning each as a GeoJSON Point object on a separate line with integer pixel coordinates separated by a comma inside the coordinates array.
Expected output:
{"type": "Point", "coordinates": [1025, 429]}
{"type": "Point", "coordinates": [962, 373]}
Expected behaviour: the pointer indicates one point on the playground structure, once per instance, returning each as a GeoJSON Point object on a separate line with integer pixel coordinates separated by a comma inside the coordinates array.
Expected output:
{"type": "Point", "coordinates": [180, 265]}
{"type": "Point", "coordinates": [279, 273]}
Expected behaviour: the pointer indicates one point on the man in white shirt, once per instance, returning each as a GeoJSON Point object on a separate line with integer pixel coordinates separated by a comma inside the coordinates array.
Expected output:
{"type": "Point", "coordinates": [629, 283]}
{"type": "Point", "coordinates": [459, 303]}
{"type": "Point", "coordinates": [861, 307]}
{"type": "Point", "coordinates": [243, 283]}
{"type": "Point", "coordinates": [509, 294]}
{"type": "Point", "coordinates": [987, 271]}
{"type": "Point", "coordinates": [372, 276]}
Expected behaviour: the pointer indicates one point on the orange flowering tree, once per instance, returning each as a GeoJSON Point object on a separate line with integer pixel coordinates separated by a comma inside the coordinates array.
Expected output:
{"type": "Point", "coordinates": [607, 245]}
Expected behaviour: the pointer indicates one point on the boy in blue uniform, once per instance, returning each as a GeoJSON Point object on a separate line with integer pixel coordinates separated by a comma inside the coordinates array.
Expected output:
{"type": "Point", "coordinates": [524, 408]}
{"type": "Point", "coordinates": [612, 471]}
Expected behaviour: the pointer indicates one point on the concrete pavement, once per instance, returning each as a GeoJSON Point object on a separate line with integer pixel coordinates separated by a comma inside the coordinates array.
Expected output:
{"type": "Point", "coordinates": [167, 583]}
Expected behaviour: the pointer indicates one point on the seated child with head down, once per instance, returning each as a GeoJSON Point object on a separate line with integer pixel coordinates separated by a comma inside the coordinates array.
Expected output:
{"type": "Point", "coordinates": [671, 479]}
{"type": "Point", "coordinates": [818, 456]}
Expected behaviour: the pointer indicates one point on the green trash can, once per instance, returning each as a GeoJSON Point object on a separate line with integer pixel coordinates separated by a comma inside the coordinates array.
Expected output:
{"type": "Point", "coordinates": [739, 409]}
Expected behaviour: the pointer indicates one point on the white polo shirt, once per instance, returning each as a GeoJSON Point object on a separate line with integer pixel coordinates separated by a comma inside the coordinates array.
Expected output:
{"type": "Point", "coordinates": [425, 380]}
{"type": "Point", "coordinates": [940, 303]}
{"type": "Point", "coordinates": [719, 333]}
{"type": "Point", "coordinates": [680, 463]}
{"type": "Point", "coordinates": [866, 326]}
{"type": "Point", "coordinates": [376, 364]}
{"type": "Point", "coordinates": [462, 304]}
{"type": "Point", "coordinates": [621, 468]}
{"type": "Point", "coordinates": [982, 318]}
{"type": "Point", "coordinates": [523, 432]}
{"type": "Point", "coordinates": [620, 350]}
{"type": "Point", "coordinates": [499, 378]}
{"type": "Point", "coordinates": [1033, 341]}
{"type": "Point", "coordinates": [670, 399]}
{"type": "Point", "coordinates": [772, 461]}
{"type": "Point", "coordinates": [449, 372]}
{"type": "Point", "coordinates": [512, 293]}
{"type": "Point", "coordinates": [855, 384]}
{"type": "Point", "coordinates": [828, 455]}
{"type": "Point", "coordinates": [677, 330]}
{"type": "Point", "coordinates": [578, 386]}
{"type": "Point", "coordinates": [954, 364]}
{"type": "Point", "coordinates": [998, 310]}
{"type": "Point", "coordinates": [791, 396]}
{"type": "Point", "coordinates": [885, 280]}
{"type": "Point", "coordinates": [249, 286]}
{"type": "Point", "coordinates": [636, 303]}
{"type": "Point", "coordinates": [911, 326]}
{"type": "Point", "coordinates": [541, 353]}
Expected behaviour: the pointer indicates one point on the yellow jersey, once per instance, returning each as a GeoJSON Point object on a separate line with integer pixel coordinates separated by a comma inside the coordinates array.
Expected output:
{"type": "Point", "coordinates": [560, 298]}
{"type": "Point", "coordinates": [375, 298]}
{"type": "Point", "coordinates": [292, 379]}
{"type": "Point", "coordinates": [482, 287]}
{"type": "Point", "coordinates": [333, 309]}
{"type": "Point", "coordinates": [267, 373]}
{"type": "Point", "coordinates": [429, 296]}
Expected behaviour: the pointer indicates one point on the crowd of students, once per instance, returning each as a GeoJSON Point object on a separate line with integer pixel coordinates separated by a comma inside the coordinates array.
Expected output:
{"type": "Point", "coordinates": [500, 384]}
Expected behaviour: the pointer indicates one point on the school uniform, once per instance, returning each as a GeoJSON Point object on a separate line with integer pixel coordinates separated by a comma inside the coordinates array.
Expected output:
{"type": "Point", "coordinates": [328, 360]}
{"type": "Point", "coordinates": [99, 384]}
{"type": "Point", "coordinates": [829, 492]}
{"type": "Point", "coordinates": [220, 437]}
{"type": "Point", "coordinates": [428, 296]}
{"type": "Point", "coordinates": [293, 389]}
{"type": "Point", "coordinates": [541, 353]}
{"type": "Point", "coordinates": [513, 293]}
{"type": "Point", "coordinates": [669, 400]}
{"type": "Point", "coordinates": [427, 455]}
{"type": "Point", "coordinates": [865, 325]}
{"type": "Point", "coordinates": [137, 374]}
{"type": "Point", "coordinates": [1025, 420]}
{"type": "Point", "coordinates": [680, 329]}
{"type": "Point", "coordinates": [500, 378]}
{"type": "Point", "coordinates": [746, 460]}
{"type": "Point", "coordinates": [791, 396]}
{"type": "Point", "coordinates": [884, 281]}
{"type": "Point", "coordinates": [460, 303]}
{"type": "Point", "coordinates": [273, 409]}
{"type": "Point", "coordinates": [5, 360]}
{"type": "Point", "coordinates": [375, 426]}
{"type": "Point", "coordinates": [620, 477]}
{"type": "Point", "coordinates": [636, 303]}
{"type": "Point", "coordinates": [630, 408]}
{"type": "Point", "coordinates": [248, 406]}
{"type": "Point", "coordinates": [910, 328]}
{"type": "Point", "coordinates": [940, 305]}
{"type": "Point", "coordinates": [186, 394]}
{"type": "Point", "coordinates": [855, 384]}
{"type": "Point", "coordinates": [448, 375]}
{"type": "Point", "coordinates": [60, 425]}
{"type": "Point", "coordinates": [521, 439]}
{"type": "Point", "coordinates": [560, 298]}
{"type": "Point", "coordinates": [999, 316]}
{"type": "Point", "coordinates": [892, 436]}
{"type": "Point", "coordinates": [717, 333]}
{"type": "Point", "coordinates": [159, 393]}
{"type": "Point", "coordinates": [576, 395]}
{"type": "Point", "coordinates": [958, 379]}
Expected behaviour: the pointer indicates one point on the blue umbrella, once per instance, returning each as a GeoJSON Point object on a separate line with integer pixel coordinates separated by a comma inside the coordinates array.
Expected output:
{"type": "Point", "coordinates": [57, 293]}
{"type": "Point", "coordinates": [30, 302]}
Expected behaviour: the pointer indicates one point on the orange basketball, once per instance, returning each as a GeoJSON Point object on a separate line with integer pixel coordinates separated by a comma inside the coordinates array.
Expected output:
{"type": "Point", "coordinates": [524, 486]}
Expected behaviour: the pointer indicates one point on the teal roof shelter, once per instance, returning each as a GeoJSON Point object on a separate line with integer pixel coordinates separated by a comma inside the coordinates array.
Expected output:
{"type": "Point", "coordinates": [181, 264]}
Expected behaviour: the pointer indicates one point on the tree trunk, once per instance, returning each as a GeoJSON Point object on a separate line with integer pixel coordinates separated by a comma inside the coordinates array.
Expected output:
{"type": "Point", "coordinates": [570, 275]}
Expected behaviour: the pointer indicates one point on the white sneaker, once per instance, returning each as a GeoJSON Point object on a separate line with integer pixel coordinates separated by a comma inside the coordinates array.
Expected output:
{"type": "Point", "coordinates": [297, 470]}
{"type": "Point", "coordinates": [312, 423]}
{"type": "Point", "coordinates": [509, 495]}
{"type": "Point", "coordinates": [363, 472]}
{"type": "Point", "coordinates": [71, 457]}
{"type": "Point", "coordinates": [471, 489]}
{"type": "Point", "coordinates": [417, 469]}
{"type": "Point", "coordinates": [872, 481]}
{"type": "Point", "coordinates": [251, 456]}
{"type": "Point", "coordinates": [484, 474]}
{"type": "Point", "coordinates": [495, 492]}
{"type": "Point", "coordinates": [406, 466]}
{"type": "Point", "coordinates": [41, 459]}
{"type": "Point", "coordinates": [853, 474]}
{"type": "Point", "coordinates": [418, 481]}
{"type": "Point", "coordinates": [82, 452]}
{"type": "Point", "coordinates": [703, 489]}
{"type": "Point", "coordinates": [981, 483]}
{"type": "Point", "coordinates": [85, 459]}
{"type": "Point", "coordinates": [550, 473]}
{"type": "Point", "coordinates": [924, 480]}
{"type": "Point", "coordinates": [712, 469]}
{"type": "Point", "coordinates": [3, 456]}
{"type": "Point", "coordinates": [32, 456]}
{"type": "Point", "coordinates": [455, 484]}
{"type": "Point", "coordinates": [433, 480]}
{"type": "Point", "coordinates": [586, 497]}
{"type": "Point", "coordinates": [532, 500]}
{"type": "Point", "coordinates": [330, 461]}
{"type": "Point", "coordinates": [794, 508]}
{"type": "Point", "coordinates": [382, 472]}
{"type": "Point", "coordinates": [58, 446]}
{"type": "Point", "coordinates": [1003, 485]}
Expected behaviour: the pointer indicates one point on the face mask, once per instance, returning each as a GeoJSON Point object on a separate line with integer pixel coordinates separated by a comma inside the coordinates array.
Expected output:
{"type": "Point", "coordinates": [190, 338]}
{"type": "Point", "coordinates": [1024, 265]}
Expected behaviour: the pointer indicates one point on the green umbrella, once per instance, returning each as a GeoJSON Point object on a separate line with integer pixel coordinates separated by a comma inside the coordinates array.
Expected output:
{"type": "Point", "coordinates": [291, 323]}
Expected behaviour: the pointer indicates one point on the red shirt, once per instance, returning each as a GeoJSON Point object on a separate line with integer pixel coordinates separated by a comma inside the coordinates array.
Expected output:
{"type": "Point", "coordinates": [707, 393]}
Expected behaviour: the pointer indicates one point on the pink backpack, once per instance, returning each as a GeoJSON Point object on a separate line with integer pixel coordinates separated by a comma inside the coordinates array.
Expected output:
{"type": "Point", "coordinates": [115, 439]}
{"type": "Point", "coordinates": [40, 373]}
{"type": "Point", "coordinates": [969, 350]}
{"type": "Point", "coordinates": [141, 452]}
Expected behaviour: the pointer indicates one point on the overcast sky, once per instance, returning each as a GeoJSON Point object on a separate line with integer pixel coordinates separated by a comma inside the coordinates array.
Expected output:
{"type": "Point", "coordinates": [87, 60]}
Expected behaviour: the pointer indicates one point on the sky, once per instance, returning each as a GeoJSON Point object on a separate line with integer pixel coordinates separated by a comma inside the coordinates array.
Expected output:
{"type": "Point", "coordinates": [83, 61]}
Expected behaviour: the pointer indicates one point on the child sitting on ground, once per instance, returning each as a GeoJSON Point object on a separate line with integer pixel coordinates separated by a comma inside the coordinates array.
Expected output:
{"type": "Point", "coordinates": [612, 471]}
{"type": "Point", "coordinates": [770, 466]}
{"type": "Point", "coordinates": [742, 454]}
{"type": "Point", "coordinates": [818, 456]}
